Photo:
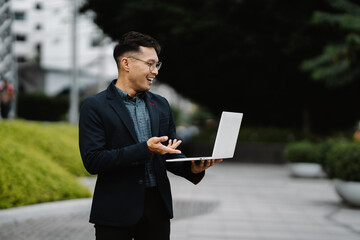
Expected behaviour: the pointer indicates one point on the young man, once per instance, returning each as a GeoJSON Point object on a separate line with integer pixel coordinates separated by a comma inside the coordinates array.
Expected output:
{"type": "Point", "coordinates": [125, 134]}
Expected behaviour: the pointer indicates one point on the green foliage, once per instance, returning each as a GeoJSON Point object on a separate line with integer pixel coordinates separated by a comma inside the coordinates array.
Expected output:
{"type": "Point", "coordinates": [268, 135]}
{"type": "Point", "coordinates": [59, 141]}
{"type": "Point", "coordinates": [28, 174]}
{"type": "Point", "coordinates": [340, 158]}
{"type": "Point", "coordinates": [343, 160]}
{"type": "Point", "coordinates": [339, 62]}
{"type": "Point", "coordinates": [302, 152]}
{"type": "Point", "coordinates": [236, 55]}
{"type": "Point", "coordinates": [38, 106]}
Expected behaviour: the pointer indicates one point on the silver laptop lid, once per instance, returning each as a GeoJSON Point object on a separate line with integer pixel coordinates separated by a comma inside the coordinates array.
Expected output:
{"type": "Point", "coordinates": [227, 135]}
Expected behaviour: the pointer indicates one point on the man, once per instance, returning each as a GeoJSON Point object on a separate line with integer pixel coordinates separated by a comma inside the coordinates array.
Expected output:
{"type": "Point", "coordinates": [6, 96]}
{"type": "Point", "coordinates": [125, 134]}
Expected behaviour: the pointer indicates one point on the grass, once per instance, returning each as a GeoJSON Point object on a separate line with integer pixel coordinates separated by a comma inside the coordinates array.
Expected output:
{"type": "Point", "coordinates": [39, 162]}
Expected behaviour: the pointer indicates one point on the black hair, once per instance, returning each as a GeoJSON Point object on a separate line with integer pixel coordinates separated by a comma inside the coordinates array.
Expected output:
{"type": "Point", "coordinates": [131, 42]}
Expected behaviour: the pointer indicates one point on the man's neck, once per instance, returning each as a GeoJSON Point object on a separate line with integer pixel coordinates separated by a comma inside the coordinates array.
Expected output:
{"type": "Point", "coordinates": [120, 83]}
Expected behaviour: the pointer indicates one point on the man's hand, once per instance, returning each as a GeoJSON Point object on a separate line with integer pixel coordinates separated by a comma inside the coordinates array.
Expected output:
{"type": "Point", "coordinates": [155, 146]}
{"type": "Point", "coordinates": [203, 165]}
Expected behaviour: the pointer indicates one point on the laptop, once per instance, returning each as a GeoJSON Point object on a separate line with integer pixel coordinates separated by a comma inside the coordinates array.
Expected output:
{"type": "Point", "coordinates": [226, 138]}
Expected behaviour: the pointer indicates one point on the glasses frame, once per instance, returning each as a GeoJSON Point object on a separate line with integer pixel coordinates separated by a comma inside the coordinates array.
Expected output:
{"type": "Point", "coordinates": [152, 66]}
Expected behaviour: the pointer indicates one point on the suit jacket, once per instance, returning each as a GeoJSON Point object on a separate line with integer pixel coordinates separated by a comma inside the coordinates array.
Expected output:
{"type": "Point", "coordinates": [109, 148]}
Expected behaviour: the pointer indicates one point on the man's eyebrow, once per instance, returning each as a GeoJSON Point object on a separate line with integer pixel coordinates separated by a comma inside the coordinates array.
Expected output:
{"type": "Point", "coordinates": [152, 61]}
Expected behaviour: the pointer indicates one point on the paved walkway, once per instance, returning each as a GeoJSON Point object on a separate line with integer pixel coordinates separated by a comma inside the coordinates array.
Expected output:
{"type": "Point", "coordinates": [234, 201]}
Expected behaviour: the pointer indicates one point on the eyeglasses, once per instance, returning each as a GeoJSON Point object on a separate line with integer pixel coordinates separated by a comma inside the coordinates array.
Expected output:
{"type": "Point", "coordinates": [152, 66]}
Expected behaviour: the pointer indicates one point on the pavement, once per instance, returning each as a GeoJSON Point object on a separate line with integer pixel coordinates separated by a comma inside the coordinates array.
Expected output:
{"type": "Point", "coordinates": [235, 201]}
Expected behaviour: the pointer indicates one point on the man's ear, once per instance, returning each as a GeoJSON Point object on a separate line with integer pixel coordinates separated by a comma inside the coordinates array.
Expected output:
{"type": "Point", "coordinates": [124, 64]}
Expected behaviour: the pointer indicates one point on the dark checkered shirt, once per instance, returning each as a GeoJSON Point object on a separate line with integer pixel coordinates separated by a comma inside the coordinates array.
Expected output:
{"type": "Point", "coordinates": [140, 116]}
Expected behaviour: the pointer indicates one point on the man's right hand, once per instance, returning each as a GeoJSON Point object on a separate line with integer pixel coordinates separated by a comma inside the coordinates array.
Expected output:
{"type": "Point", "coordinates": [155, 146]}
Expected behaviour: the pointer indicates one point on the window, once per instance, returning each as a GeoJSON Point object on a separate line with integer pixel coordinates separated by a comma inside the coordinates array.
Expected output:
{"type": "Point", "coordinates": [19, 16]}
{"type": "Point", "coordinates": [38, 6]}
{"type": "Point", "coordinates": [38, 27]}
{"type": "Point", "coordinates": [20, 37]}
{"type": "Point", "coordinates": [21, 59]}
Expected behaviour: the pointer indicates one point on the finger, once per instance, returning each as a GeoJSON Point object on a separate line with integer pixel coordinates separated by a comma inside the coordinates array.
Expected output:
{"type": "Point", "coordinates": [156, 140]}
{"type": "Point", "coordinates": [163, 138]}
{"type": "Point", "coordinates": [170, 143]}
{"type": "Point", "coordinates": [176, 143]}
{"type": "Point", "coordinates": [165, 149]}
{"type": "Point", "coordinates": [207, 164]}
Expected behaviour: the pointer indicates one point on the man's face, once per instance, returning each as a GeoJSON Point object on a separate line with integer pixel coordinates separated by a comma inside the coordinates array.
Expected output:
{"type": "Point", "coordinates": [140, 75]}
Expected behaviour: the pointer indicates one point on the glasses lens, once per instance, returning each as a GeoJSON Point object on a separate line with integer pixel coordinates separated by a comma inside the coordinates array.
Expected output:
{"type": "Point", "coordinates": [158, 65]}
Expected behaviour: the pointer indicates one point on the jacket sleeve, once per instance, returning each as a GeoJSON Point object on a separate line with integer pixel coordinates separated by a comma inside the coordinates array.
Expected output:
{"type": "Point", "coordinates": [92, 141]}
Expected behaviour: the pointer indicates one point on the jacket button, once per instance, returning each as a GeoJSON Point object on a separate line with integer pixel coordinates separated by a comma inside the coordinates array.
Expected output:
{"type": "Point", "coordinates": [140, 181]}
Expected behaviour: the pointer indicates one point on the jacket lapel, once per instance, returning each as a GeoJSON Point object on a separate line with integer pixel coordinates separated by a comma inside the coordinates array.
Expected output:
{"type": "Point", "coordinates": [119, 107]}
{"type": "Point", "coordinates": [154, 115]}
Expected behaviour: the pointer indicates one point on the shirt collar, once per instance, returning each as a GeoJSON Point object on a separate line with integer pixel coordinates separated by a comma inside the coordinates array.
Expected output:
{"type": "Point", "coordinates": [125, 96]}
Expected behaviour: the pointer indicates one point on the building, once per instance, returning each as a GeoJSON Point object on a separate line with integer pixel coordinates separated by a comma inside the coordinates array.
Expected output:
{"type": "Point", "coordinates": [43, 34]}
{"type": "Point", "coordinates": [7, 66]}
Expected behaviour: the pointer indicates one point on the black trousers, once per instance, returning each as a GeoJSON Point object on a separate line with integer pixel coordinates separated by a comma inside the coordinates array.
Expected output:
{"type": "Point", "coordinates": [154, 224]}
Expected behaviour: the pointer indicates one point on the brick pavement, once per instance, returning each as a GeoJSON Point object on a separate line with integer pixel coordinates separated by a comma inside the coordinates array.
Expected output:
{"type": "Point", "coordinates": [234, 201]}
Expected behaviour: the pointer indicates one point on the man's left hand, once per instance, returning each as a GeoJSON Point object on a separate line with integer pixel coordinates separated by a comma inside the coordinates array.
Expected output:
{"type": "Point", "coordinates": [203, 165]}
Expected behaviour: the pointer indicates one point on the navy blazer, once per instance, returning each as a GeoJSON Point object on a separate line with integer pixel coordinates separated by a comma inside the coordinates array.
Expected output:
{"type": "Point", "coordinates": [109, 148]}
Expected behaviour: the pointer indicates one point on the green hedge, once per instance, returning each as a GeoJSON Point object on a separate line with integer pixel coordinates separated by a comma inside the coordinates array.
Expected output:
{"type": "Point", "coordinates": [59, 141]}
{"type": "Point", "coordinates": [343, 161]}
{"type": "Point", "coordinates": [302, 152]}
{"type": "Point", "coordinates": [39, 106]}
{"type": "Point", "coordinates": [39, 163]}
{"type": "Point", "coordinates": [340, 158]}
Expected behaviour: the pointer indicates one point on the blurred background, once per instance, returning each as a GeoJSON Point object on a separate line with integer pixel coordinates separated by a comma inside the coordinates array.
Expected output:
{"type": "Point", "coordinates": [292, 68]}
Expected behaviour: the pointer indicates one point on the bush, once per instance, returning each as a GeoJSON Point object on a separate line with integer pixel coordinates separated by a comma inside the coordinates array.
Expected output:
{"type": "Point", "coordinates": [302, 152]}
{"type": "Point", "coordinates": [38, 106]}
{"type": "Point", "coordinates": [343, 160]}
{"type": "Point", "coordinates": [37, 164]}
{"type": "Point", "coordinates": [59, 141]}
{"type": "Point", "coordinates": [28, 176]}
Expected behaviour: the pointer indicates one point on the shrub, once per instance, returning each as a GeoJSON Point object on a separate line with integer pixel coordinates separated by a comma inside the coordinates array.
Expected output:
{"type": "Point", "coordinates": [325, 147]}
{"type": "Point", "coordinates": [59, 141]}
{"type": "Point", "coordinates": [38, 106]}
{"type": "Point", "coordinates": [343, 160]}
{"type": "Point", "coordinates": [302, 152]}
{"type": "Point", "coordinates": [28, 176]}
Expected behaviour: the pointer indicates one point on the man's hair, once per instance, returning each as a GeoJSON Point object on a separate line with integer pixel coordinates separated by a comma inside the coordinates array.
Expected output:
{"type": "Point", "coordinates": [131, 42]}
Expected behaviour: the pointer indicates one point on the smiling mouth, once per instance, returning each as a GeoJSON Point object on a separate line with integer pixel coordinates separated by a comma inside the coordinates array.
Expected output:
{"type": "Point", "coordinates": [150, 79]}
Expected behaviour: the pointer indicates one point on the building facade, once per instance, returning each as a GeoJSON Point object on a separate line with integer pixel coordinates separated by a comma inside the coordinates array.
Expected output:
{"type": "Point", "coordinates": [7, 66]}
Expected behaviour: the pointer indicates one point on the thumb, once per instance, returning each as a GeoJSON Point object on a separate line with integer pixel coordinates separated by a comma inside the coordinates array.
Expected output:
{"type": "Point", "coordinates": [160, 139]}
{"type": "Point", "coordinates": [163, 138]}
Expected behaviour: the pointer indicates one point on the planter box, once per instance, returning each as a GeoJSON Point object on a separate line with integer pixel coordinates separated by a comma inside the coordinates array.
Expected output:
{"type": "Point", "coordinates": [306, 170]}
{"type": "Point", "coordinates": [348, 191]}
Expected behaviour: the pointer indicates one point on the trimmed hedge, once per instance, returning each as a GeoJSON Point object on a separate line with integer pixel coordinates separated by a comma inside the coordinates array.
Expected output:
{"type": "Point", "coordinates": [343, 161]}
{"type": "Point", "coordinates": [39, 106]}
{"type": "Point", "coordinates": [302, 152]}
{"type": "Point", "coordinates": [340, 158]}
{"type": "Point", "coordinates": [57, 140]}
{"type": "Point", "coordinates": [35, 165]}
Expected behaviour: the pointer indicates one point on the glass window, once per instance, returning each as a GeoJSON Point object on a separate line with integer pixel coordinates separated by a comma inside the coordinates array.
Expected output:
{"type": "Point", "coordinates": [20, 16]}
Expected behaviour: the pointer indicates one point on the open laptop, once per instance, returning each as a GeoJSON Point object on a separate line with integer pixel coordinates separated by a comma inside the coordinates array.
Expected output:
{"type": "Point", "coordinates": [226, 138]}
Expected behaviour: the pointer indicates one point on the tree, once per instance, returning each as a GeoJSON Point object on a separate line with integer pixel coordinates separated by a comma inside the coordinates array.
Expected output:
{"type": "Point", "coordinates": [235, 55]}
{"type": "Point", "coordinates": [339, 62]}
